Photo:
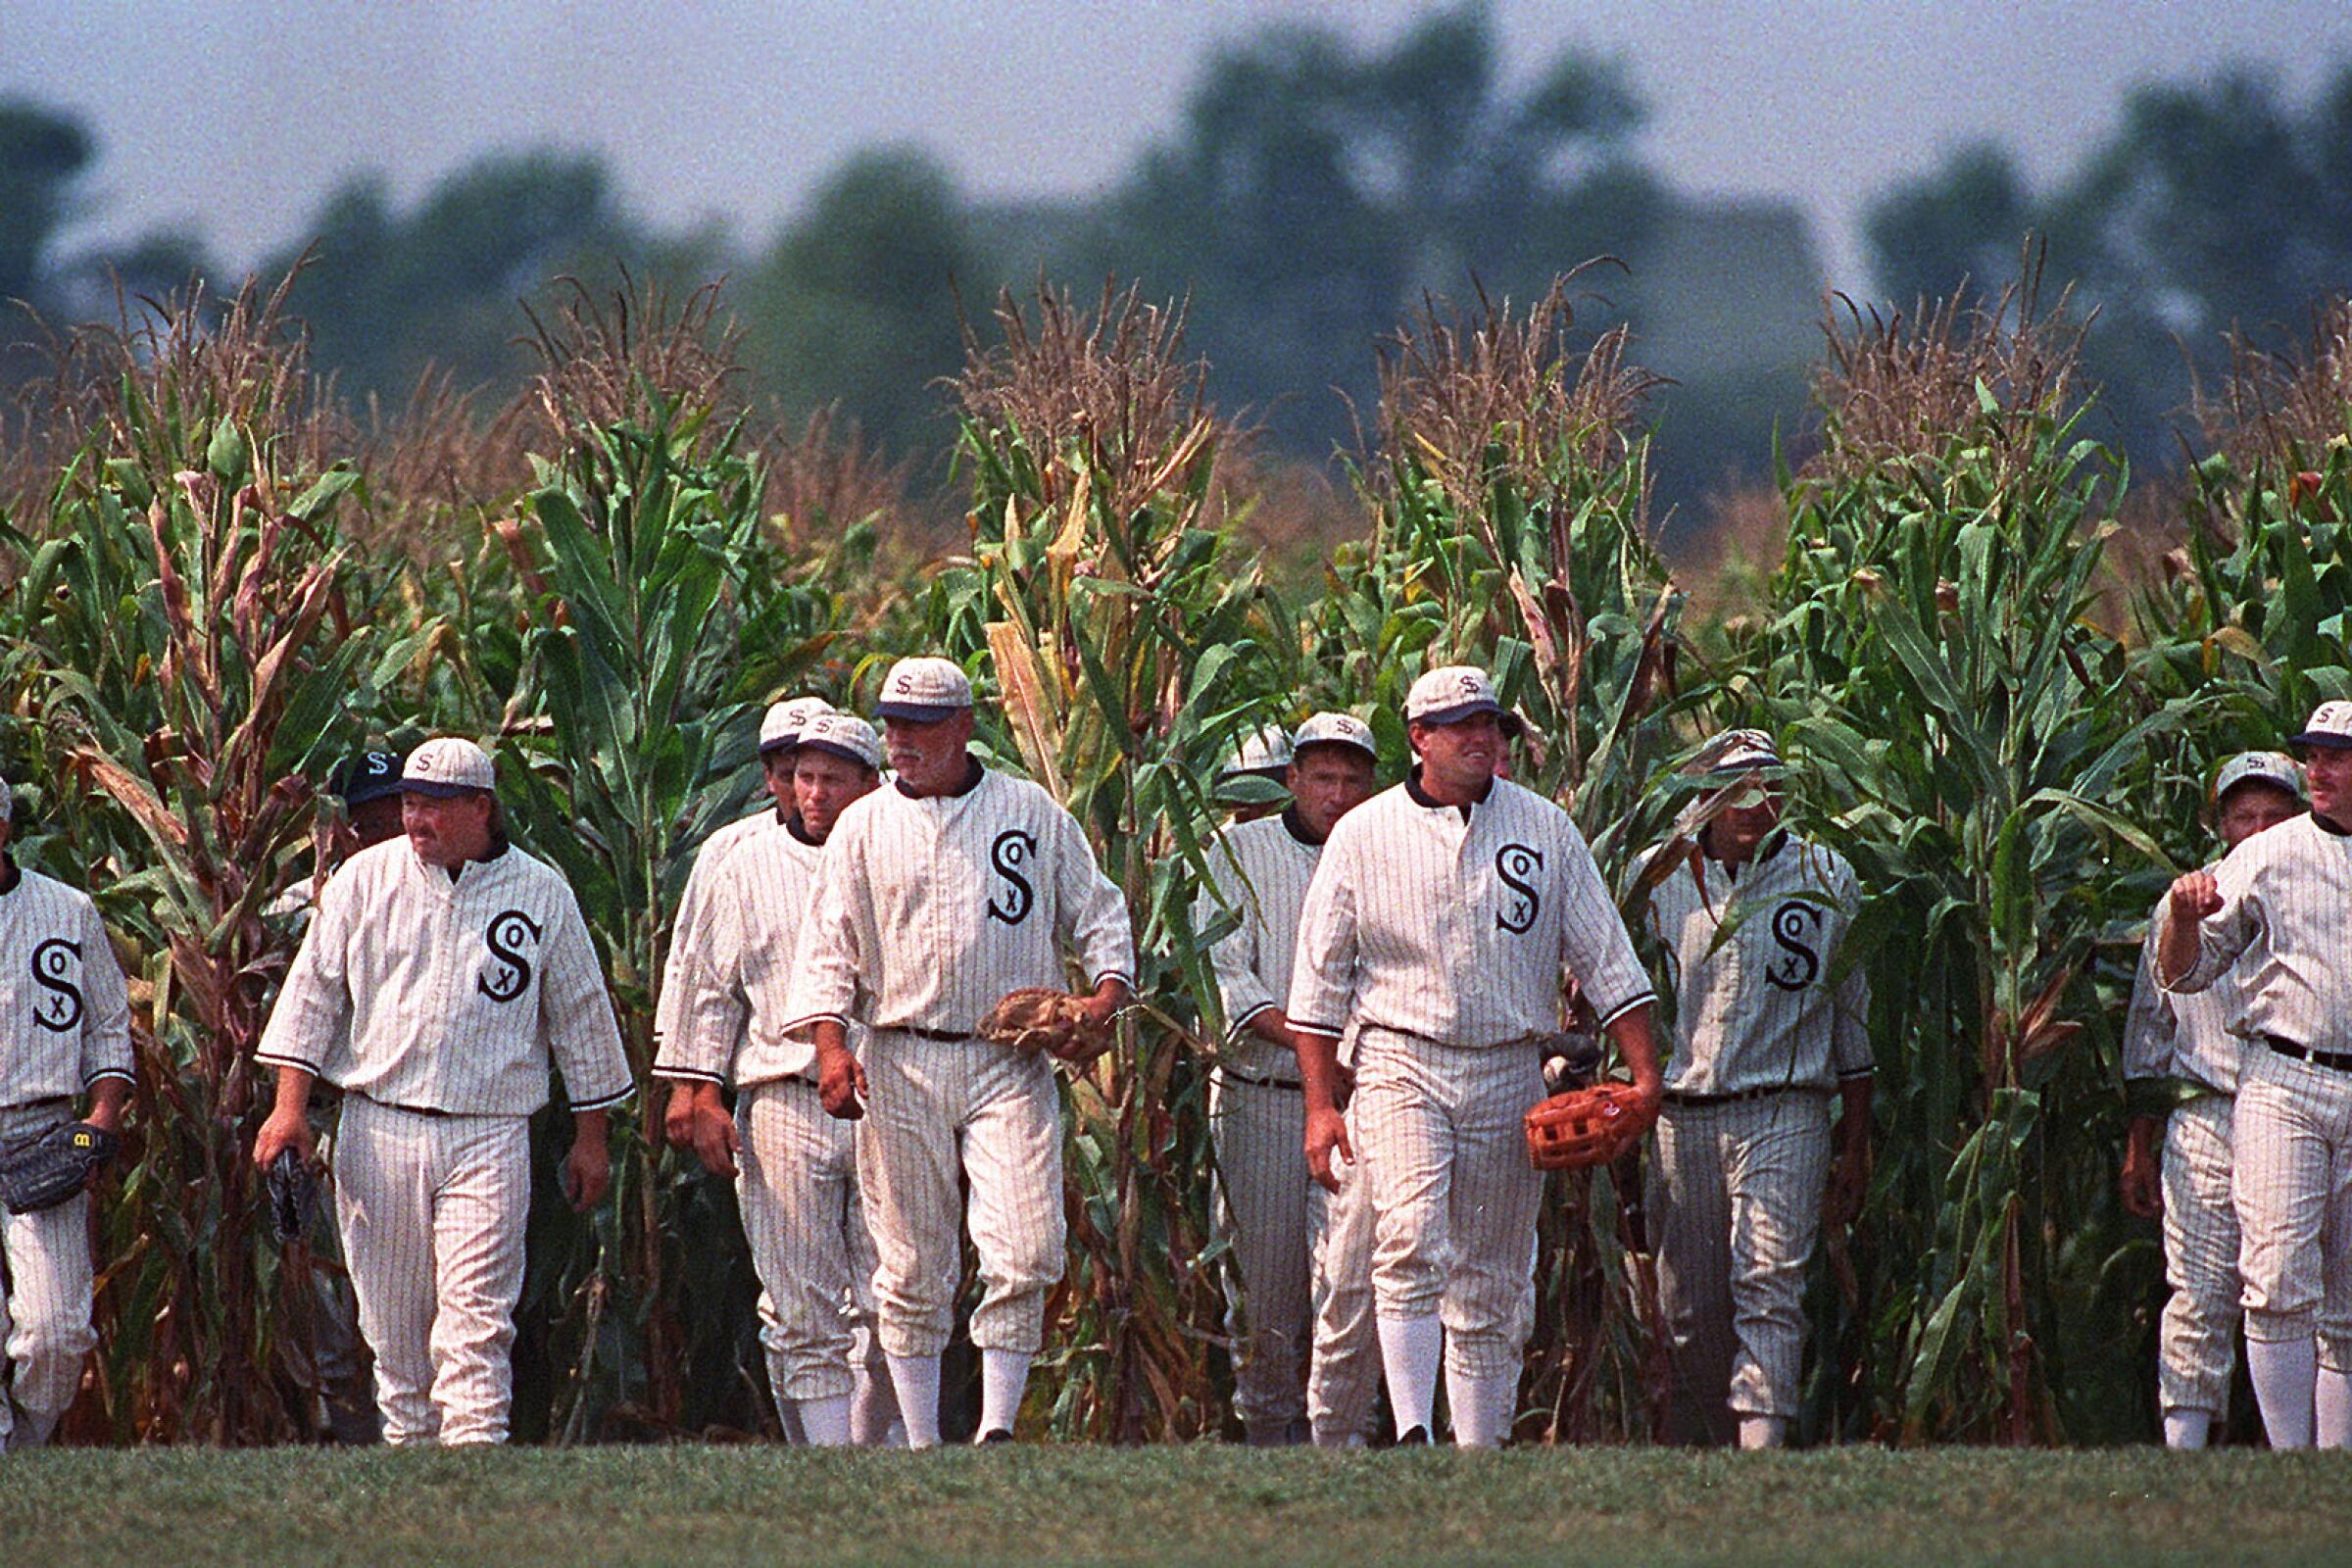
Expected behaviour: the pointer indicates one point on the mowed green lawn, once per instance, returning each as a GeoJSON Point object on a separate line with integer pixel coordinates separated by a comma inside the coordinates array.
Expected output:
{"type": "Point", "coordinates": [1627, 1508]}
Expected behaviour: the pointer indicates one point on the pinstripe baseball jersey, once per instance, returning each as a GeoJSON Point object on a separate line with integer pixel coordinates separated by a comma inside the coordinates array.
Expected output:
{"type": "Point", "coordinates": [454, 993]}
{"type": "Point", "coordinates": [64, 1015]}
{"type": "Point", "coordinates": [733, 1029]}
{"type": "Point", "coordinates": [688, 938]}
{"type": "Point", "coordinates": [1749, 953]}
{"type": "Point", "coordinates": [1456, 925]}
{"type": "Point", "coordinates": [2167, 1035]}
{"type": "Point", "coordinates": [2283, 897]}
{"type": "Point", "coordinates": [927, 911]}
{"type": "Point", "coordinates": [1260, 871]}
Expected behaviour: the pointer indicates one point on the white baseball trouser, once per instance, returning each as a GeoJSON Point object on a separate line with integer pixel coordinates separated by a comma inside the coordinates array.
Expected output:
{"type": "Point", "coordinates": [936, 1112]}
{"type": "Point", "coordinates": [45, 1308]}
{"type": "Point", "coordinates": [2195, 1354]}
{"type": "Point", "coordinates": [433, 1209]}
{"type": "Point", "coordinates": [797, 1186]}
{"type": "Point", "coordinates": [2292, 1138]}
{"type": "Point", "coordinates": [1734, 1201]}
{"type": "Point", "coordinates": [1454, 1197]}
{"type": "Point", "coordinates": [1258, 1132]}
{"type": "Point", "coordinates": [1343, 1378]}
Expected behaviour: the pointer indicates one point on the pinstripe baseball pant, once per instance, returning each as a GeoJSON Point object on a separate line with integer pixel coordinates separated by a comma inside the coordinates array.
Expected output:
{"type": "Point", "coordinates": [2293, 1142]}
{"type": "Point", "coordinates": [937, 1110]}
{"type": "Point", "coordinates": [1258, 1130]}
{"type": "Point", "coordinates": [433, 1209]}
{"type": "Point", "coordinates": [1455, 1198]}
{"type": "Point", "coordinates": [2195, 1351]}
{"type": "Point", "coordinates": [1342, 1376]}
{"type": "Point", "coordinates": [45, 1309]}
{"type": "Point", "coordinates": [797, 1185]}
{"type": "Point", "coordinates": [1735, 1198]}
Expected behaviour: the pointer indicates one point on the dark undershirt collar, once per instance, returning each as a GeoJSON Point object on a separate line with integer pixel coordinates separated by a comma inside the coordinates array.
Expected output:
{"type": "Point", "coordinates": [1422, 798]}
{"type": "Point", "coordinates": [1773, 844]}
{"type": "Point", "coordinates": [2326, 826]}
{"type": "Point", "coordinates": [971, 781]}
{"type": "Point", "coordinates": [9, 876]}
{"type": "Point", "coordinates": [1296, 824]}
{"type": "Point", "coordinates": [800, 830]}
{"type": "Point", "coordinates": [499, 845]}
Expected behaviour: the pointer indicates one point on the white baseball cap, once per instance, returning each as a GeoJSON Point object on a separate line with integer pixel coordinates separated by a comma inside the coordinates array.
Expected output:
{"type": "Point", "coordinates": [1449, 694]}
{"type": "Point", "coordinates": [448, 765]}
{"type": "Point", "coordinates": [1739, 751]}
{"type": "Point", "coordinates": [2258, 768]}
{"type": "Point", "coordinates": [2330, 726]}
{"type": "Point", "coordinates": [846, 736]}
{"type": "Point", "coordinates": [1266, 750]}
{"type": "Point", "coordinates": [780, 729]}
{"type": "Point", "coordinates": [923, 691]}
{"type": "Point", "coordinates": [1335, 729]}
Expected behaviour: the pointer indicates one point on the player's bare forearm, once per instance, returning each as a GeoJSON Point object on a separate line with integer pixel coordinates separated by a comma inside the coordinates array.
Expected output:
{"type": "Point", "coordinates": [108, 1097]}
{"type": "Point", "coordinates": [1109, 996]}
{"type": "Point", "coordinates": [289, 1122]}
{"type": "Point", "coordinates": [1319, 1072]}
{"type": "Point", "coordinates": [1633, 1033]}
{"type": "Point", "coordinates": [1853, 1113]}
{"type": "Point", "coordinates": [588, 1168]}
{"type": "Point", "coordinates": [2194, 897]}
{"type": "Point", "coordinates": [1326, 1129]}
{"type": "Point", "coordinates": [1270, 1025]}
{"type": "Point", "coordinates": [2140, 1183]}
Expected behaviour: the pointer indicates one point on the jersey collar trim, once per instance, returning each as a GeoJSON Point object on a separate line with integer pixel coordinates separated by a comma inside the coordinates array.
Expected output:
{"type": "Point", "coordinates": [2318, 822]}
{"type": "Point", "coordinates": [1422, 798]}
{"type": "Point", "coordinates": [1296, 825]}
{"type": "Point", "coordinates": [800, 830]}
{"type": "Point", "coordinates": [9, 876]}
{"type": "Point", "coordinates": [972, 779]}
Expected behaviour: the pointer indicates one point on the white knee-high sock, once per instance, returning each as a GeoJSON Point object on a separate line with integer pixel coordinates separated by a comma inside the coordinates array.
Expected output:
{"type": "Point", "coordinates": [825, 1421]}
{"type": "Point", "coordinates": [917, 1379]}
{"type": "Point", "coordinates": [2187, 1429]}
{"type": "Point", "coordinates": [1003, 1379]}
{"type": "Point", "coordinates": [2285, 1373]}
{"type": "Point", "coordinates": [1482, 1413]}
{"type": "Point", "coordinates": [1410, 1348]}
{"type": "Point", "coordinates": [1763, 1430]}
{"type": "Point", "coordinates": [2333, 1408]}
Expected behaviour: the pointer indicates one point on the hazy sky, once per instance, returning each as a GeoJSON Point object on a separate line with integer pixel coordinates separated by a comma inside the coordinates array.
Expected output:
{"type": "Point", "coordinates": [235, 118]}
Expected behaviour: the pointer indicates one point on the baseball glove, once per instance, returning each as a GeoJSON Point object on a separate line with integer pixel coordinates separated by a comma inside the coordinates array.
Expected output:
{"type": "Point", "coordinates": [1056, 1022]}
{"type": "Point", "coordinates": [293, 1189]}
{"type": "Point", "coordinates": [1585, 1127]}
{"type": "Point", "coordinates": [45, 1170]}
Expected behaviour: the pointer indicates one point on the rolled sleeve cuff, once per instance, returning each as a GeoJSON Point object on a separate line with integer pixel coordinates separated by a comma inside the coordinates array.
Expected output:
{"type": "Point", "coordinates": [1326, 1030]}
{"type": "Point", "coordinates": [1121, 975]}
{"type": "Point", "coordinates": [1642, 1000]}
{"type": "Point", "coordinates": [602, 1101]}
{"type": "Point", "coordinates": [123, 1073]}
{"type": "Point", "coordinates": [1857, 1074]}
{"type": "Point", "coordinates": [275, 1058]}
{"type": "Point", "coordinates": [1242, 1022]}
{"type": "Point", "coordinates": [697, 1074]}
{"type": "Point", "coordinates": [811, 1020]}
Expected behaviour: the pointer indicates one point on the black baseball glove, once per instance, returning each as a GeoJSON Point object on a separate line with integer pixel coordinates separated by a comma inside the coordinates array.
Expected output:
{"type": "Point", "coordinates": [293, 1189]}
{"type": "Point", "coordinates": [45, 1170]}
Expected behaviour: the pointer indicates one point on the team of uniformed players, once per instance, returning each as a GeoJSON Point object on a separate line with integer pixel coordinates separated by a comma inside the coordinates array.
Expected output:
{"type": "Point", "coordinates": [1392, 969]}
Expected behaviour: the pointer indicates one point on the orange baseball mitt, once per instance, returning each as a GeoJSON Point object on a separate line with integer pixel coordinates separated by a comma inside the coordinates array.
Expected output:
{"type": "Point", "coordinates": [1035, 1018]}
{"type": "Point", "coordinates": [1585, 1127]}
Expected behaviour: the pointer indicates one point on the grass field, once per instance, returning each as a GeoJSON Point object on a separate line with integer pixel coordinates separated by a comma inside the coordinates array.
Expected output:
{"type": "Point", "coordinates": [1628, 1508]}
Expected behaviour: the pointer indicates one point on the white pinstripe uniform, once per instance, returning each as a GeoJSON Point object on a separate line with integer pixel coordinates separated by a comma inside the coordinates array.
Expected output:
{"type": "Point", "coordinates": [1443, 934]}
{"type": "Point", "coordinates": [926, 911]}
{"type": "Point", "coordinates": [1762, 1036]}
{"type": "Point", "coordinates": [65, 1023]}
{"type": "Point", "coordinates": [1342, 1372]}
{"type": "Point", "coordinates": [1259, 870]}
{"type": "Point", "coordinates": [780, 727]}
{"type": "Point", "coordinates": [2282, 923]}
{"type": "Point", "coordinates": [797, 1174]}
{"type": "Point", "coordinates": [436, 1004]}
{"type": "Point", "coordinates": [2187, 1038]}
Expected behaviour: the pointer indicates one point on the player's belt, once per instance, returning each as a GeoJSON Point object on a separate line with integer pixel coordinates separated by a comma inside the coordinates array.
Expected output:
{"type": "Point", "coordinates": [2333, 1061]}
{"type": "Point", "coordinates": [413, 1110]}
{"type": "Point", "coordinates": [944, 1036]}
{"type": "Point", "coordinates": [1684, 1097]}
{"type": "Point", "coordinates": [1262, 1083]}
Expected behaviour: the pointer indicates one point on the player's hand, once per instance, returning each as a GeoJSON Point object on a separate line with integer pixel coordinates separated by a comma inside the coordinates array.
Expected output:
{"type": "Point", "coordinates": [286, 1129]}
{"type": "Point", "coordinates": [841, 1084]}
{"type": "Point", "coordinates": [713, 1137]}
{"type": "Point", "coordinates": [1849, 1184]}
{"type": "Point", "coordinates": [2195, 896]}
{"type": "Point", "coordinates": [1649, 1094]}
{"type": "Point", "coordinates": [1327, 1134]}
{"type": "Point", "coordinates": [2141, 1184]}
{"type": "Point", "coordinates": [587, 1172]}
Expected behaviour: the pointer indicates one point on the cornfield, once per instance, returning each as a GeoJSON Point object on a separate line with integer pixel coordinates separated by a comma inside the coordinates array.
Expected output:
{"type": "Point", "coordinates": [217, 582]}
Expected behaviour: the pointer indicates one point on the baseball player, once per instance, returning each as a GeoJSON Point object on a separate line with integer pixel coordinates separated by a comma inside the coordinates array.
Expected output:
{"type": "Point", "coordinates": [935, 897]}
{"type": "Point", "coordinates": [797, 1176]}
{"type": "Point", "coordinates": [1264, 755]}
{"type": "Point", "coordinates": [1442, 923]}
{"type": "Point", "coordinates": [2275, 909]}
{"type": "Point", "coordinates": [443, 972]}
{"type": "Point", "coordinates": [1751, 920]}
{"type": "Point", "coordinates": [2183, 1042]}
{"type": "Point", "coordinates": [1258, 871]}
{"type": "Point", "coordinates": [64, 1034]}
{"type": "Point", "coordinates": [779, 736]}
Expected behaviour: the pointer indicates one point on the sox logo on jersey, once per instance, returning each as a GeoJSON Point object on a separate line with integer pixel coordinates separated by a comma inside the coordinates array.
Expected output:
{"type": "Point", "coordinates": [54, 963]}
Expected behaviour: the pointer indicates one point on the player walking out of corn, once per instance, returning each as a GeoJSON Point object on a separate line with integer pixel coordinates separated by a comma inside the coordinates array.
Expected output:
{"type": "Point", "coordinates": [1751, 920]}
{"type": "Point", "coordinates": [2181, 1069]}
{"type": "Point", "coordinates": [1258, 871]}
{"type": "Point", "coordinates": [797, 1176]}
{"type": "Point", "coordinates": [443, 972]}
{"type": "Point", "coordinates": [66, 1034]}
{"type": "Point", "coordinates": [2276, 909]}
{"type": "Point", "coordinates": [1443, 921]}
{"type": "Point", "coordinates": [935, 898]}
